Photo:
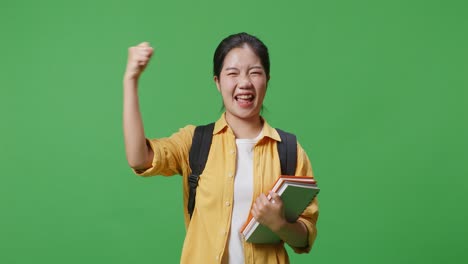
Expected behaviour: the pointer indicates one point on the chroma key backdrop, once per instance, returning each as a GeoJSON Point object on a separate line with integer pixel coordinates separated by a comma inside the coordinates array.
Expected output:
{"type": "Point", "coordinates": [376, 92]}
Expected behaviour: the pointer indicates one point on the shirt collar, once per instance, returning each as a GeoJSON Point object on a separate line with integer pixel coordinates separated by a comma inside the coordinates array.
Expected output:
{"type": "Point", "coordinates": [267, 131]}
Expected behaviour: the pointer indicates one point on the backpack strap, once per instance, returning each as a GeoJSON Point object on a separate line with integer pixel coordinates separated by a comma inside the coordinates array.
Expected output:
{"type": "Point", "coordinates": [201, 143]}
{"type": "Point", "coordinates": [287, 150]}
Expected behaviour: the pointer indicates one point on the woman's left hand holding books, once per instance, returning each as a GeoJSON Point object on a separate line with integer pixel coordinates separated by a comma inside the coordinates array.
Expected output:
{"type": "Point", "coordinates": [269, 212]}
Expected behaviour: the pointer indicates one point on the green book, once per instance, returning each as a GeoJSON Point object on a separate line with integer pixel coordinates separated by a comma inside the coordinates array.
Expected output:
{"type": "Point", "coordinates": [296, 192]}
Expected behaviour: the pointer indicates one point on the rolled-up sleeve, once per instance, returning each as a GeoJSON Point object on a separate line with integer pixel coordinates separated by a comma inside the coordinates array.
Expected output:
{"type": "Point", "coordinates": [170, 154]}
{"type": "Point", "coordinates": [310, 215]}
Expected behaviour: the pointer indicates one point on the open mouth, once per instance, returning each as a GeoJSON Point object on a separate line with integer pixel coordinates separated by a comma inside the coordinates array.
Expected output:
{"type": "Point", "coordinates": [244, 98]}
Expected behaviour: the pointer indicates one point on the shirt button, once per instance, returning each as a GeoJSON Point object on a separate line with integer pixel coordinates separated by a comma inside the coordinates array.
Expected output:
{"type": "Point", "coordinates": [230, 174]}
{"type": "Point", "coordinates": [232, 152]}
{"type": "Point", "coordinates": [227, 203]}
{"type": "Point", "coordinates": [217, 257]}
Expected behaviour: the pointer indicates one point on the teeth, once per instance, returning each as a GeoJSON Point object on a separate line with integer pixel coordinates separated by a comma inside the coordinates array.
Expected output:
{"type": "Point", "coordinates": [245, 96]}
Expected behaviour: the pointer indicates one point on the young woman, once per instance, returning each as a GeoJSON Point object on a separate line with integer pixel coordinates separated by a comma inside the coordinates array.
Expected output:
{"type": "Point", "coordinates": [242, 165]}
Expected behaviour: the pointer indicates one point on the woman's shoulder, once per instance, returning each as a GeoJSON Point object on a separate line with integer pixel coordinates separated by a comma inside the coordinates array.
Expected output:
{"type": "Point", "coordinates": [183, 134]}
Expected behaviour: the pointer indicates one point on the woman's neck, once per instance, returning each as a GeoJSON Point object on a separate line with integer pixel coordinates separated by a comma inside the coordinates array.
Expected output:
{"type": "Point", "coordinates": [245, 128]}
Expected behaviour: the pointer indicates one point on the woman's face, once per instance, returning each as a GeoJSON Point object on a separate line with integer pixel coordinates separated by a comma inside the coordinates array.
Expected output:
{"type": "Point", "coordinates": [242, 83]}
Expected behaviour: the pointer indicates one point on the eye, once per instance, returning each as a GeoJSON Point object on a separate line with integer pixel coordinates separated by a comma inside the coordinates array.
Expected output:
{"type": "Point", "coordinates": [256, 73]}
{"type": "Point", "coordinates": [231, 73]}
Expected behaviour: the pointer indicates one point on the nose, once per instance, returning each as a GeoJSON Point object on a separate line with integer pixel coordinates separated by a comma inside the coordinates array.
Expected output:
{"type": "Point", "coordinates": [244, 82]}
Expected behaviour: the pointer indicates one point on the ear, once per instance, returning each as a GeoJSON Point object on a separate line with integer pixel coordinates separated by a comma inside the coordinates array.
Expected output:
{"type": "Point", "coordinates": [216, 80]}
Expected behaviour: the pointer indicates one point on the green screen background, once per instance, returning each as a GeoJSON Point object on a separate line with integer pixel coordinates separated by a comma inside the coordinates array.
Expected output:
{"type": "Point", "coordinates": [376, 92]}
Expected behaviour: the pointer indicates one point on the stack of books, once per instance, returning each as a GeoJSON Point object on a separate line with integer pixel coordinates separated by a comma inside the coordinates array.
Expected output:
{"type": "Point", "coordinates": [296, 192]}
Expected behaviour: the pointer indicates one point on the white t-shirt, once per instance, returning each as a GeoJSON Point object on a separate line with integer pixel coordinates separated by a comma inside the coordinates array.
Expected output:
{"type": "Point", "coordinates": [243, 192]}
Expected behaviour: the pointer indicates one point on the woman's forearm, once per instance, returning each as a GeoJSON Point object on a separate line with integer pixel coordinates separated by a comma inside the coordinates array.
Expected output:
{"type": "Point", "coordinates": [295, 234]}
{"type": "Point", "coordinates": [139, 156]}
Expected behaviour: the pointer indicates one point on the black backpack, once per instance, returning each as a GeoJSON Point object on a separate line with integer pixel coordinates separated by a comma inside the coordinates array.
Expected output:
{"type": "Point", "coordinates": [201, 143]}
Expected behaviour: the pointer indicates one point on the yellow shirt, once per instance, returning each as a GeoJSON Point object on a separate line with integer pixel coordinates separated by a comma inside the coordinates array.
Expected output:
{"type": "Point", "coordinates": [208, 230]}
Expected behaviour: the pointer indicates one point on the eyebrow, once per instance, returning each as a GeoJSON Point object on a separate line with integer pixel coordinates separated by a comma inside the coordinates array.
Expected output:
{"type": "Point", "coordinates": [253, 67]}
{"type": "Point", "coordinates": [256, 67]}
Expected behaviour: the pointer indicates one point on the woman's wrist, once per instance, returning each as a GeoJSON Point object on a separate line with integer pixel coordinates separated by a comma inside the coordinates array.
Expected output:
{"type": "Point", "coordinates": [279, 226]}
{"type": "Point", "coordinates": [295, 234]}
{"type": "Point", "coordinates": [130, 77]}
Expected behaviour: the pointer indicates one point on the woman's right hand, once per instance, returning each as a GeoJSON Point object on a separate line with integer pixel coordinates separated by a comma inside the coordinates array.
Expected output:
{"type": "Point", "coordinates": [138, 58]}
